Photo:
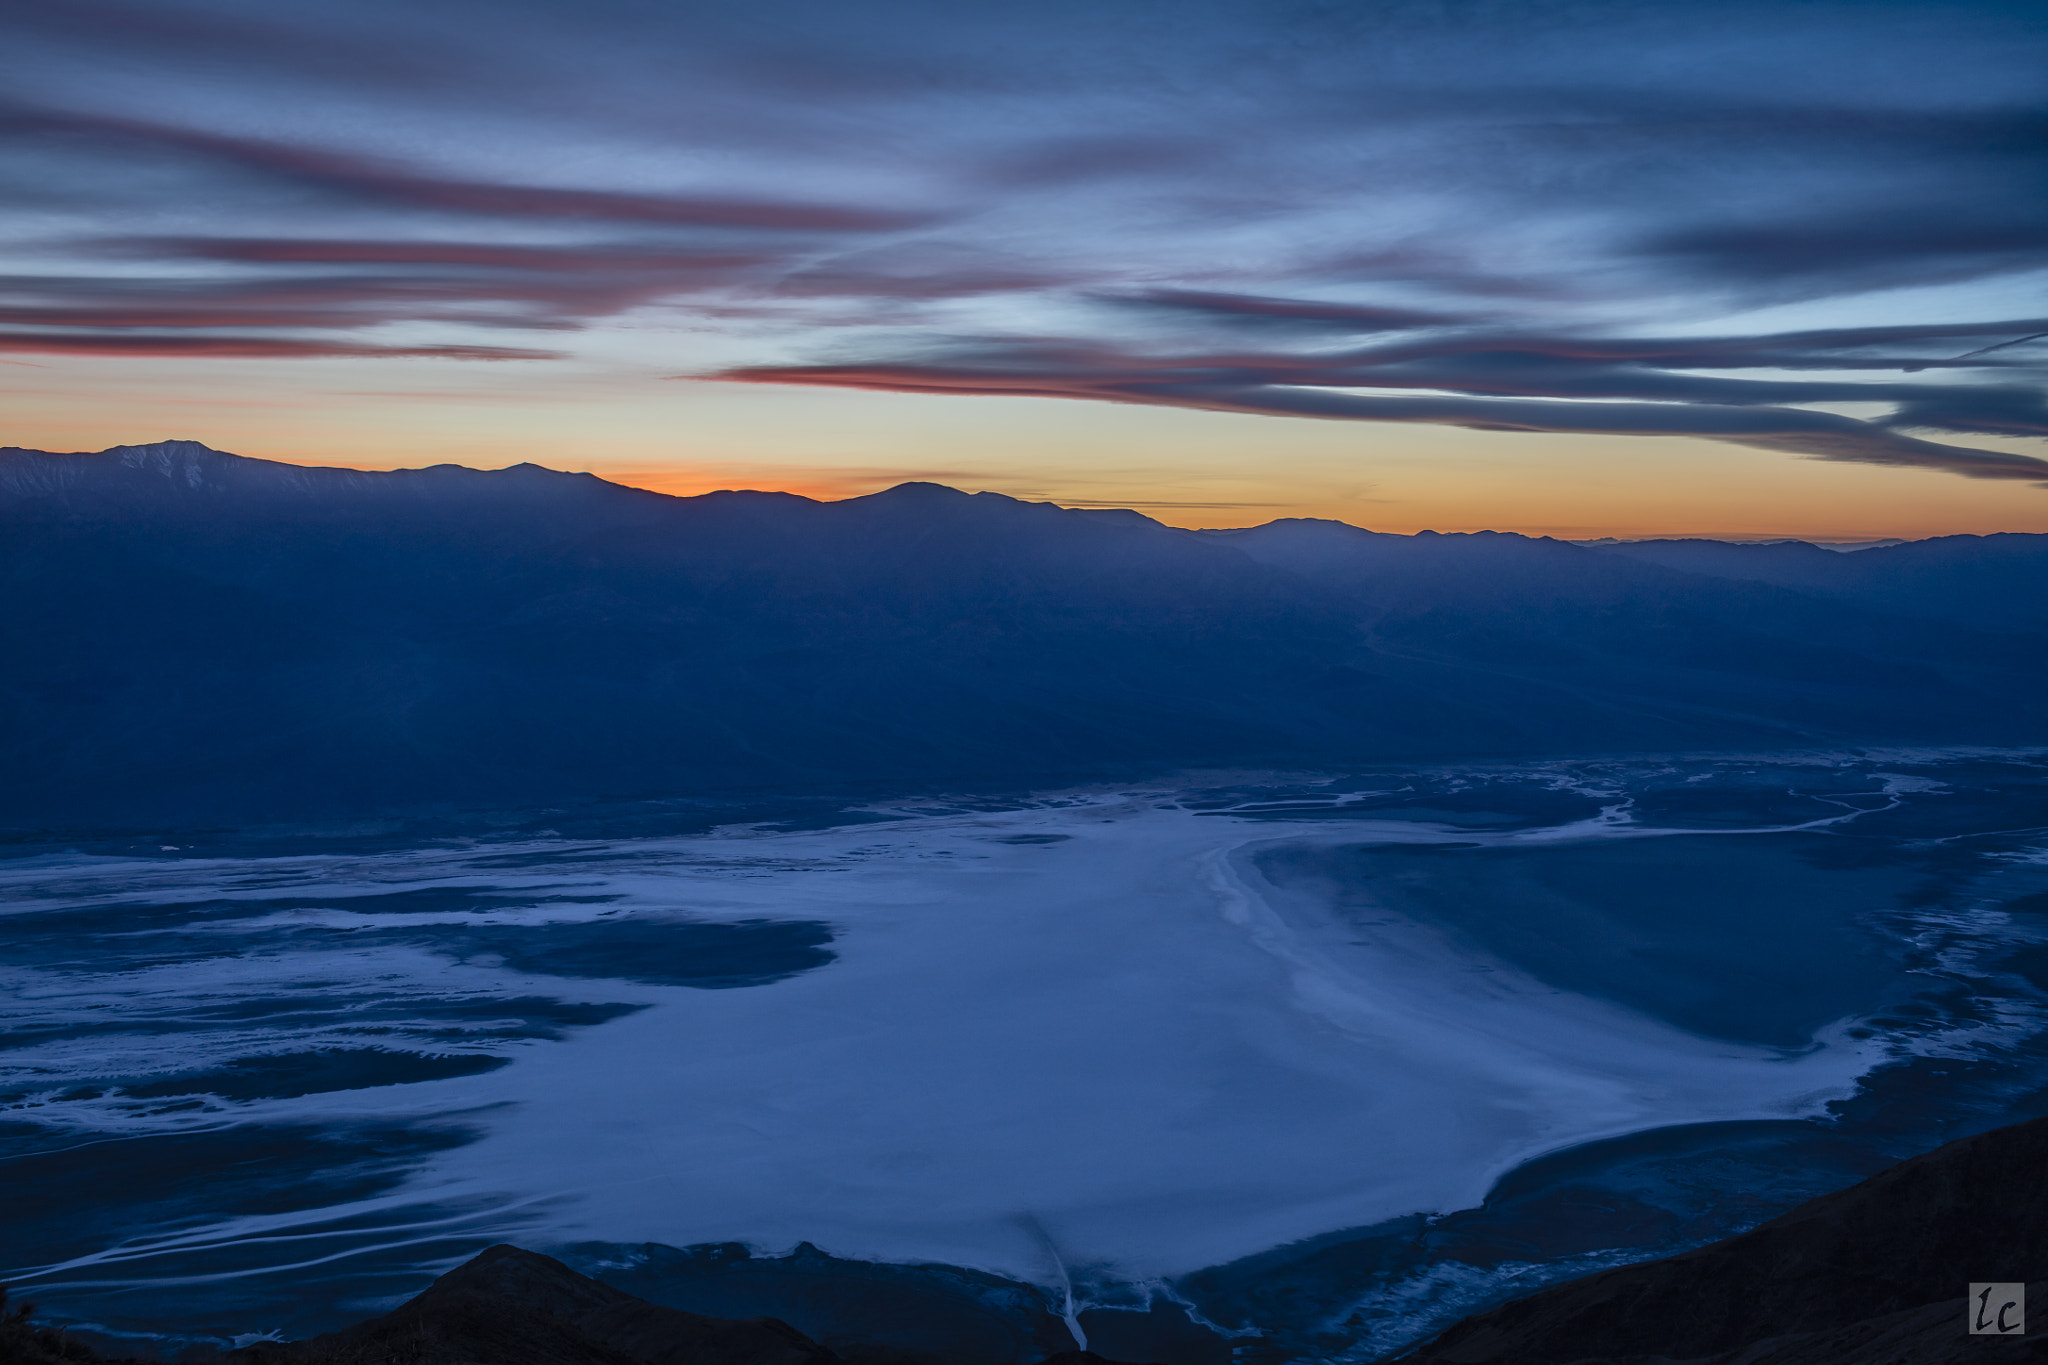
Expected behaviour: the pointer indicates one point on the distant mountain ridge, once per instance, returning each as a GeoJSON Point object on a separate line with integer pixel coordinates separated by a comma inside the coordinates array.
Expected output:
{"type": "Point", "coordinates": [1999, 582]}
{"type": "Point", "coordinates": [199, 637]}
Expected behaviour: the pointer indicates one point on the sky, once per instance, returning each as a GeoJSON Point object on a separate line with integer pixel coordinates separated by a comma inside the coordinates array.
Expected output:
{"type": "Point", "coordinates": [1647, 267]}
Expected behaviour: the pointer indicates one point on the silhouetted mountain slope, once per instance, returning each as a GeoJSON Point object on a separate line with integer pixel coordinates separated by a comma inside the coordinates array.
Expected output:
{"type": "Point", "coordinates": [24, 1343]}
{"type": "Point", "coordinates": [1998, 582]}
{"type": "Point", "coordinates": [512, 1307]}
{"type": "Point", "coordinates": [197, 637]}
{"type": "Point", "coordinates": [508, 1306]}
{"type": "Point", "coordinates": [1876, 1274]}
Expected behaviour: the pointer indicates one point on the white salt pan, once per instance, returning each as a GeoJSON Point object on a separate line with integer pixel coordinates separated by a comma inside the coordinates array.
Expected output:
{"type": "Point", "coordinates": [1125, 1035]}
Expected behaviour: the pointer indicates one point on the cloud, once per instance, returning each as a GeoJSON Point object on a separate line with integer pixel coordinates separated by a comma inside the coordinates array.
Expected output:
{"type": "Point", "coordinates": [1262, 311]}
{"type": "Point", "coordinates": [245, 347]}
{"type": "Point", "coordinates": [550, 259]}
{"type": "Point", "coordinates": [1993, 411]}
{"type": "Point", "coordinates": [1500, 382]}
{"type": "Point", "coordinates": [1860, 252]}
{"type": "Point", "coordinates": [328, 285]}
{"type": "Point", "coordinates": [919, 270]}
{"type": "Point", "coordinates": [372, 179]}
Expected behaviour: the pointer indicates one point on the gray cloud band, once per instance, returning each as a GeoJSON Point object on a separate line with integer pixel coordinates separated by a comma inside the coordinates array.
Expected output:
{"type": "Point", "coordinates": [1816, 435]}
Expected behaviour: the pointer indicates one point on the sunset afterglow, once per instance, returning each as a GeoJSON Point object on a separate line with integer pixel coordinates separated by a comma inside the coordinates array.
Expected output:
{"type": "Point", "coordinates": [1739, 269]}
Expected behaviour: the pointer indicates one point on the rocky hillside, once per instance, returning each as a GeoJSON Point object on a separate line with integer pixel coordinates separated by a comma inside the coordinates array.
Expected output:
{"type": "Point", "coordinates": [1876, 1274]}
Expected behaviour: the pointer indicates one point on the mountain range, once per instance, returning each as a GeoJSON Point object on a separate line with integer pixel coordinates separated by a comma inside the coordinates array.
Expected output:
{"type": "Point", "coordinates": [194, 636]}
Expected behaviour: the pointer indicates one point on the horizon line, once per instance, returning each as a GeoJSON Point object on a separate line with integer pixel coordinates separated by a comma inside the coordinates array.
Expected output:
{"type": "Point", "coordinates": [1578, 535]}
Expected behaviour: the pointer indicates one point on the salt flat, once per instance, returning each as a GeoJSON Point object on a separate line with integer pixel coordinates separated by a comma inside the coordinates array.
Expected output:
{"type": "Point", "coordinates": [1089, 1016]}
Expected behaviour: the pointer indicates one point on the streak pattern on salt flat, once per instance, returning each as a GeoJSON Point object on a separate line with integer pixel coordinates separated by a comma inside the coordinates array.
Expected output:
{"type": "Point", "coordinates": [1115, 1029]}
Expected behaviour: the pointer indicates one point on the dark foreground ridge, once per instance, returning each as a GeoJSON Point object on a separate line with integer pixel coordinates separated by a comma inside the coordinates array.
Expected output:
{"type": "Point", "coordinates": [520, 1308]}
{"type": "Point", "coordinates": [196, 639]}
{"type": "Point", "coordinates": [1876, 1274]}
{"type": "Point", "coordinates": [506, 1306]}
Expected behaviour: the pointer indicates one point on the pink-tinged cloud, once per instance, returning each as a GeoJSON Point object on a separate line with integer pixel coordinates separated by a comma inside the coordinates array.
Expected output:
{"type": "Point", "coordinates": [562, 260]}
{"type": "Point", "coordinates": [254, 348]}
{"type": "Point", "coordinates": [280, 315]}
{"type": "Point", "coordinates": [491, 285]}
{"type": "Point", "coordinates": [1550, 395]}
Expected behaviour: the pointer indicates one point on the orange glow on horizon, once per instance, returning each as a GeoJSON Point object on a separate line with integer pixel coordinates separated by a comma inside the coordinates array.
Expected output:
{"type": "Point", "coordinates": [1181, 467]}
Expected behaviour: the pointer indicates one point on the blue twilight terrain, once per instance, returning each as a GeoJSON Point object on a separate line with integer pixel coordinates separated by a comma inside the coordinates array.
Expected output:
{"type": "Point", "coordinates": [1291, 1066]}
{"type": "Point", "coordinates": [197, 639]}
